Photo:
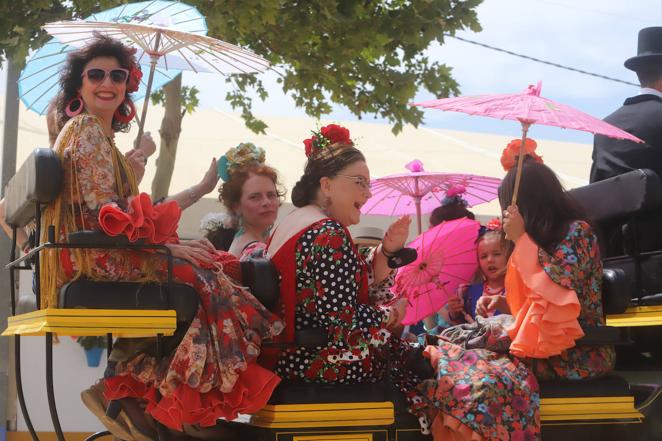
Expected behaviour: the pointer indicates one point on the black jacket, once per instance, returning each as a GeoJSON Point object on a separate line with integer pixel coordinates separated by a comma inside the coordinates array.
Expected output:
{"type": "Point", "coordinates": [641, 116]}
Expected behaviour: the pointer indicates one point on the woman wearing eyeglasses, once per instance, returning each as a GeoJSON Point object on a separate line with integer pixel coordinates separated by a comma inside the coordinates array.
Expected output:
{"type": "Point", "coordinates": [328, 287]}
{"type": "Point", "coordinates": [219, 349]}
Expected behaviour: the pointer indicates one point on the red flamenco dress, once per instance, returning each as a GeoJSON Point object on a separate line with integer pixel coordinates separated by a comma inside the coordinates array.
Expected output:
{"type": "Point", "coordinates": [212, 373]}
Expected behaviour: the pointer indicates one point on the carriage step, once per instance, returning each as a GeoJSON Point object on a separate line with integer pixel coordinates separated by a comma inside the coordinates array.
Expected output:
{"type": "Point", "coordinates": [589, 408]}
{"type": "Point", "coordinates": [637, 316]}
{"type": "Point", "coordinates": [324, 415]}
{"type": "Point", "coordinates": [83, 322]}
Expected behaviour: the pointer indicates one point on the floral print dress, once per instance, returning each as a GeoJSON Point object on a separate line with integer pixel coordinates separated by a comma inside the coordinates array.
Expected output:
{"type": "Point", "coordinates": [575, 264]}
{"type": "Point", "coordinates": [213, 371]}
{"type": "Point", "coordinates": [330, 281]}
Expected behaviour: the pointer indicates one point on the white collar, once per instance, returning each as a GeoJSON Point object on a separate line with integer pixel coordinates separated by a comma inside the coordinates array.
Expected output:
{"type": "Point", "coordinates": [650, 91]}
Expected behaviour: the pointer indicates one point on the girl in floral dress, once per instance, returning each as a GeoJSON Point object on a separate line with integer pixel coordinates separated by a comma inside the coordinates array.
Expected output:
{"type": "Point", "coordinates": [326, 283]}
{"type": "Point", "coordinates": [214, 367]}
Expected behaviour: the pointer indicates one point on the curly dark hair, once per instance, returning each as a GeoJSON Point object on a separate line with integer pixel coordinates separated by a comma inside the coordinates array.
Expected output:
{"type": "Point", "coordinates": [71, 75]}
{"type": "Point", "coordinates": [305, 190]}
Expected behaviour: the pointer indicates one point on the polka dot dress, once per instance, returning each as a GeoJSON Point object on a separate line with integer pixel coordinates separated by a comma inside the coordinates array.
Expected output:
{"type": "Point", "coordinates": [330, 274]}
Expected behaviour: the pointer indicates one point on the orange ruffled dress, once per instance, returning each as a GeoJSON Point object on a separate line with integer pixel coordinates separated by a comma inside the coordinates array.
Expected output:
{"type": "Point", "coordinates": [552, 296]}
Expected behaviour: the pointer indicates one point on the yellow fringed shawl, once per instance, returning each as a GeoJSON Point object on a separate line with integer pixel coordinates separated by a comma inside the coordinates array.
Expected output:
{"type": "Point", "coordinates": [62, 215]}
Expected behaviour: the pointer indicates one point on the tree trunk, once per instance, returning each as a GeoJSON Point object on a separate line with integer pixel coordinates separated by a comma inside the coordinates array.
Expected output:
{"type": "Point", "coordinates": [171, 127]}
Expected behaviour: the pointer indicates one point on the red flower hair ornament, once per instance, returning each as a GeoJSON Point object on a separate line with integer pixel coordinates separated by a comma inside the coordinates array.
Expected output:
{"type": "Point", "coordinates": [135, 74]}
{"type": "Point", "coordinates": [511, 152]}
{"type": "Point", "coordinates": [326, 137]}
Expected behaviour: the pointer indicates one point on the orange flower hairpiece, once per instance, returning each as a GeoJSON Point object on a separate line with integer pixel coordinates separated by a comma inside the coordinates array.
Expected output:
{"type": "Point", "coordinates": [511, 152]}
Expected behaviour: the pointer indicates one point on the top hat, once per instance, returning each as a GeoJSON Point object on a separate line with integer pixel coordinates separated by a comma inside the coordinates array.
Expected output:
{"type": "Point", "coordinates": [649, 49]}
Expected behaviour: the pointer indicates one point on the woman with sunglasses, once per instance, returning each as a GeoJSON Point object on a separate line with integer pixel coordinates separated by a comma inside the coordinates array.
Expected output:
{"type": "Point", "coordinates": [219, 349]}
{"type": "Point", "coordinates": [328, 287]}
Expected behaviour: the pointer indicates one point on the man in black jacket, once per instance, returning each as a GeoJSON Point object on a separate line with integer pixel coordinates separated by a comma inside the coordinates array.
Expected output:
{"type": "Point", "coordinates": [640, 115]}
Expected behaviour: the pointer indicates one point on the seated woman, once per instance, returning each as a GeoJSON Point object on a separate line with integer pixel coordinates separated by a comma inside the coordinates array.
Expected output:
{"type": "Point", "coordinates": [251, 195]}
{"type": "Point", "coordinates": [552, 239]}
{"type": "Point", "coordinates": [214, 367]}
{"type": "Point", "coordinates": [325, 282]}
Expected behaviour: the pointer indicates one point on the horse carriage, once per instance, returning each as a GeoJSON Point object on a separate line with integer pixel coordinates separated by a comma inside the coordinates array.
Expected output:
{"type": "Point", "coordinates": [615, 407]}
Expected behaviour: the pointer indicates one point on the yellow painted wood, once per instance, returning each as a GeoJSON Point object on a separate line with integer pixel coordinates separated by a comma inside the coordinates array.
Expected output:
{"type": "Point", "coordinates": [48, 436]}
{"type": "Point", "coordinates": [324, 415]}
{"type": "Point", "coordinates": [588, 408]}
{"type": "Point", "coordinates": [343, 437]}
{"type": "Point", "coordinates": [637, 316]}
{"type": "Point", "coordinates": [80, 322]}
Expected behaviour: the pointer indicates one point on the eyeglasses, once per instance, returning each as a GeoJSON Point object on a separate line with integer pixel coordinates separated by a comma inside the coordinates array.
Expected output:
{"type": "Point", "coordinates": [97, 75]}
{"type": "Point", "coordinates": [359, 180]}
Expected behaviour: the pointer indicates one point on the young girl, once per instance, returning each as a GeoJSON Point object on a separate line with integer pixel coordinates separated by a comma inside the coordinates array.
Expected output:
{"type": "Point", "coordinates": [493, 252]}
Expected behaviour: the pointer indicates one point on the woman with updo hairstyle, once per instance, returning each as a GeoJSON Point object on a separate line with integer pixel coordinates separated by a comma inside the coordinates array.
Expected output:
{"type": "Point", "coordinates": [251, 195]}
{"type": "Point", "coordinates": [452, 207]}
{"type": "Point", "coordinates": [327, 284]}
{"type": "Point", "coordinates": [216, 361]}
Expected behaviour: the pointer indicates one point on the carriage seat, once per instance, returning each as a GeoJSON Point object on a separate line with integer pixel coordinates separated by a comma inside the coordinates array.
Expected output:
{"type": "Point", "coordinates": [259, 276]}
{"type": "Point", "coordinates": [38, 181]}
{"type": "Point", "coordinates": [628, 209]}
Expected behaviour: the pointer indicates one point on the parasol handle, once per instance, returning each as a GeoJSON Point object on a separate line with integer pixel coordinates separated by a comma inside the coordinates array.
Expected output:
{"type": "Point", "coordinates": [417, 203]}
{"type": "Point", "coordinates": [153, 59]}
{"type": "Point", "coordinates": [520, 161]}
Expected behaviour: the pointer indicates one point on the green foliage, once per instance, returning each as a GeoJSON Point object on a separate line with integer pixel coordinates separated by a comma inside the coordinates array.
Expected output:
{"type": "Point", "coordinates": [21, 22]}
{"type": "Point", "coordinates": [189, 97]}
{"type": "Point", "coordinates": [90, 342]}
{"type": "Point", "coordinates": [365, 55]}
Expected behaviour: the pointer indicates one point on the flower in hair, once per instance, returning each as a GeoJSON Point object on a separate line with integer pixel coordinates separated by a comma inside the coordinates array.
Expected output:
{"type": "Point", "coordinates": [454, 196]}
{"type": "Point", "coordinates": [244, 154]}
{"type": "Point", "coordinates": [494, 224]}
{"type": "Point", "coordinates": [511, 152]}
{"type": "Point", "coordinates": [325, 137]}
{"type": "Point", "coordinates": [135, 75]}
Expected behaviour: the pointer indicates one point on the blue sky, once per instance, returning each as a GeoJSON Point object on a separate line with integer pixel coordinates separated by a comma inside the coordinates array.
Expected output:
{"type": "Point", "coordinates": [592, 35]}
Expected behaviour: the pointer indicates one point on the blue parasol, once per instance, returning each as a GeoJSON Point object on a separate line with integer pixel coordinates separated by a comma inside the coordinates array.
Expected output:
{"type": "Point", "coordinates": [39, 81]}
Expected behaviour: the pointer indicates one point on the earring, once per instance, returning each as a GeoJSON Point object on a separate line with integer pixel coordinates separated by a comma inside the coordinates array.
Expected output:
{"type": "Point", "coordinates": [125, 119]}
{"type": "Point", "coordinates": [74, 107]}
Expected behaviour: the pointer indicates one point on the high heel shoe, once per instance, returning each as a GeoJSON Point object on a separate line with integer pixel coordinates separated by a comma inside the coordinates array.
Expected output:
{"type": "Point", "coordinates": [92, 398]}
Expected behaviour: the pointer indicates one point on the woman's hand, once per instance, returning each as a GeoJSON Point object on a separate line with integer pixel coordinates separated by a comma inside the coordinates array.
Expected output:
{"type": "Point", "coordinates": [488, 304]}
{"type": "Point", "coordinates": [209, 180]}
{"type": "Point", "coordinates": [136, 159]}
{"type": "Point", "coordinates": [398, 310]}
{"type": "Point", "coordinates": [396, 235]}
{"type": "Point", "coordinates": [193, 254]}
{"type": "Point", "coordinates": [513, 223]}
{"type": "Point", "coordinates": [147, 145]}
{"type": "Point", "coordinates": [202, 243]}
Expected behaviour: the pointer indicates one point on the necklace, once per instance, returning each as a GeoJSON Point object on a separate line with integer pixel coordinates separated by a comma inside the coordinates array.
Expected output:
{"type": "Point", "coordinates": [493, 291]}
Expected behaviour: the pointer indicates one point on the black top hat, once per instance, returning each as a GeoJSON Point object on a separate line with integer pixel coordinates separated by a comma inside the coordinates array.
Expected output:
{"type": "Point", "coordinates": [649, 49]}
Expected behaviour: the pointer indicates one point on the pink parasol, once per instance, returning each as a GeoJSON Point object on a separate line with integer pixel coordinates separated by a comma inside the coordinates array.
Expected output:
{"type": "Point", "coordinates": [528, 107]}
{"type": "Point", "coordinates": [446, 258]}
{"type": "Point", "coordinates": [420, 192]}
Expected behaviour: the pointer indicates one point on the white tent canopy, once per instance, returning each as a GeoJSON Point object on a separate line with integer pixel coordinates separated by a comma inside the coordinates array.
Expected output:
{"type": "Point", "coordinates": [209, 133]}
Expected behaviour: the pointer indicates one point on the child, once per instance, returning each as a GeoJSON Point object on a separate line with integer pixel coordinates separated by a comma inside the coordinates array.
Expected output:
{"type": "Point", "coordinates": [493, 252]}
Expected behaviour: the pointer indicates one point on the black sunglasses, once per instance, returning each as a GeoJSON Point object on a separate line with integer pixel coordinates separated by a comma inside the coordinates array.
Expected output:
{"type": "Point", "coordinates": [97, 75]}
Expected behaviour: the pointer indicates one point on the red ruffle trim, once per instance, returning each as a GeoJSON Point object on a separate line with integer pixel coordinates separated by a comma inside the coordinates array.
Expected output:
{"type": "Point", "coordinates": [142, 220]}
{"type": "Point", "coordinates": [186, 405]}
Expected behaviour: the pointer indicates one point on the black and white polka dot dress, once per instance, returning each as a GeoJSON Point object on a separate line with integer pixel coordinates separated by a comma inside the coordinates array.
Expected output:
{"type": "Point", "coordinates": [331, 283]}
